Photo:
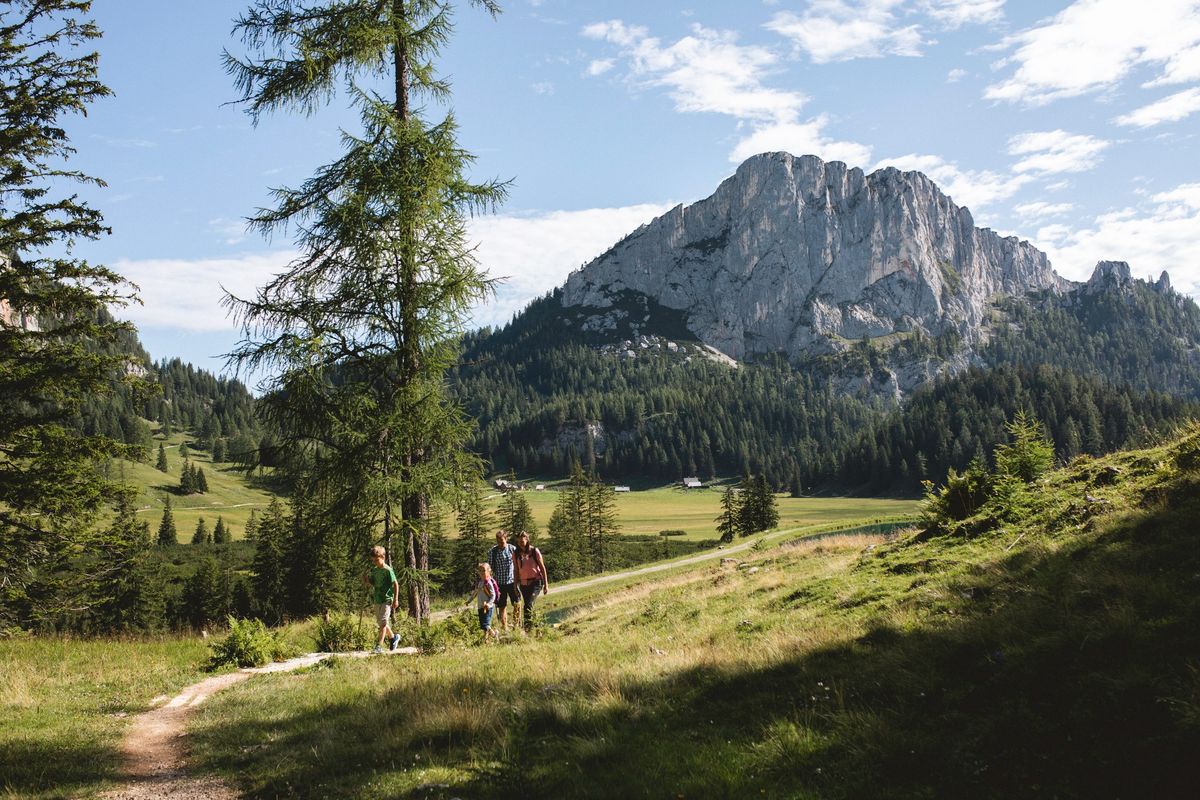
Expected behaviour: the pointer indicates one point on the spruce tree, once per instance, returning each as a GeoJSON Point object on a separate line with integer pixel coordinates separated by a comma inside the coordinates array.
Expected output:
{"type": "Point", "coordinates": [52, 310]}
{"type": "Point", "coordinates": [567, 528]}
{"type": "Point", "coordinates": [162, 465]}
{"type": "Point", "coordinates": [167, 536]}
{"type": "Point", "coordinates": [201, 536]}
{"type": "Point", "coordinates": [251, 532]}
{"type": "Point", "coordinates": [208, 594]}
{"type": "Point", "coordinates": [187, 479]}
{"type": "Point", "coordinates": [184, 452]}
{"type": "Point", "coordinates": [474, 526]}
{"type": "Point", "coordinates": [767, 508]}
{"type": "Point", "coordinates": [358, 332]}
{"type": "Point", "coordinates": [218, 451]}
{"type": "Point", "coordinates": [601, 522]}
{"type": "Point", "coordinates": [201, 482]}
{"type": "Point", "coordinates": [727, 522]}
{"type": "Point", "coordinates": [268, 587]}
{"type": "Point", "coordinates": [220, 533]}
{"type": "Point", "coordinates": [516, 516]}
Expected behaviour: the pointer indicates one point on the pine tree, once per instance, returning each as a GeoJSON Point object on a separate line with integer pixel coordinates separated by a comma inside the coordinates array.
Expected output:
{"type": "Point", "coordinates": [1029, 454]}
{"type": "Point", "coordinates": [567, 528]}
{"type": "Point", "coordinates": [53, 314]}
{"type": "Point", "coordinates": [516, 516]}
{"type": "Point", "coordinates": [768, 509]}
{"type": "Point", "coordinates": [201, 536]}
{"type": "Point", "coordinates": [162, 465]}
{"type": "Point", "coordinates": [474, 525]}
{"type": "Point", "coordinates": [184, 452]}
{"type": "Point", "coordinates": [187, 479]}
{"type": "Point", "coordinates": [218, 451]}
{"type": "Point", "coordinates": [221, 533]}
{"type": "Point", "coordinates": [167, 536]}
{"type": "Point", "coordinates": [207, 594]}
{"type": "Point", "coordinates": [119, 583]}
{"type": "Point", "coordinates": [601, 522]}
{"type": "Point", "coordinates": [201, 482]}
{"type": "Point", "coordinates": [727, 522]}
{"type": "Point", "coordinates": [251, 532]}
{"type": "Point", "coordinates": [386, 278]}
{"type": "Point", "coordinates": [268, 587]}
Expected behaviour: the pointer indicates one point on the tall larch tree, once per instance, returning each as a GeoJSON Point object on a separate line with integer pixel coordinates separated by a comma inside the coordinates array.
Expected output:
{"type": "Point", "coordinates": [51, 306]}
{"type": "Point", "coordinates": [358, 331]}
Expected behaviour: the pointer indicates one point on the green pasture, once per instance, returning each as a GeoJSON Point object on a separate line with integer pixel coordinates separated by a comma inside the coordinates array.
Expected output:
{"type": "Point", "coordinates": [232, 494]}
{"type": "Point", "coordinates": [695, 511]}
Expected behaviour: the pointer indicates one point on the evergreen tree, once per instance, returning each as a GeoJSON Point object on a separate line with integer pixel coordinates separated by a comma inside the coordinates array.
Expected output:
{"type": "Point", "coordinates": [361, 327]}
{"type": "Point", "coordinates": [220, 533]}
{"type": "Point", "coordinates": [187, 479]}
{"type": "Point", "coordinates": [268, 587]}
{"type": "Point", "coordinates": [601, 522]}
{"type": "Point", "coordinates": [162, 465]}
{"type": "Point", "coordinates": [727, 522]}
{"type": "Point", "coordinates": [184, 452]}
{"type": "Point", "coordinates": [768, 509]}
{"type": "Point", "coordinates": [567, 528]}
{"type": "Point", "coordinates": [201, 536]}
{"type": "Point", "coordinates": [516, 516]}
{"type": "Point", "coordinates": [207, 595]}
{"type": "Point", "coordinates": [53, 325]}
{"type": "Point", "coordinates": [167, 536]}
{"type": "Point", "coordinates": [218, 451]}
{"type": "Point", "coordinates": [119, 584]}
{"type": "Point", "coordinates": [201, 482]}
{"type": "Point", "coordinates": [474, 526]}
{"type": "Point", "coordinates": [1029, 454]}
{"type": "Point", "coordinates": [251, 532]}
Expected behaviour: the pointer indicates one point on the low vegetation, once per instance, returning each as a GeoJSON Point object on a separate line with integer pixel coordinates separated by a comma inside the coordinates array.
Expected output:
{"type": "Point", "coordinates": [1052, 652]}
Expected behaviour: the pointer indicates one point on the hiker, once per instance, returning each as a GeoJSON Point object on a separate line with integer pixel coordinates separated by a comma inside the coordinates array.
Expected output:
{"type": "Point", "coordinates": [531, 575]}
{"type": "Point", "coordinates": [485, 593]}
{"type": "Point", "coordinates": [385, 595]}
{"type": "Point", "coordinates": [500, 557]}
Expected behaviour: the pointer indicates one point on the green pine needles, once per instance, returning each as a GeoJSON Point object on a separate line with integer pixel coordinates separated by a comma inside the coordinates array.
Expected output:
{"type": "Point", "coordinates": [358, 332]}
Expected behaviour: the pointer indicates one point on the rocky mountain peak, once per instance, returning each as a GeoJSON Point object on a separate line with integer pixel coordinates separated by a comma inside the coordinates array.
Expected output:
{"type": "Point", "coordinates": [1110, 274]}
{"type": "Point", "coordinates": [801, 256]}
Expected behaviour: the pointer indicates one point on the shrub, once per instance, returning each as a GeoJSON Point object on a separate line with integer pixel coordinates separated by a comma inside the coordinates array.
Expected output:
{"type": "Point", "coordinates": [672, 533]}
{"type": "Point", "coordinates": [249, 644]}
{"type": "Point", "coordinates": [342, 633]}
{"type": "Point", "coordinates": [459, 629]}
{"type": "Point", "coordinates": [961, 497]}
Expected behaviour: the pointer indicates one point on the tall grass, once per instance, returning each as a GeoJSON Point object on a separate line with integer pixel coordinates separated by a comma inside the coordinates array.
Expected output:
{"type": "Point", "coordinates": [1057, 656]}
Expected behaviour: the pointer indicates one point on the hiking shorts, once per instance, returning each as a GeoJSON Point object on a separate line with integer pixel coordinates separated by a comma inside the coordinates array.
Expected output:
{"type": "Point", "coordinates": [383, 613]}
{"type": "Point", "coordinates": [508, 591]}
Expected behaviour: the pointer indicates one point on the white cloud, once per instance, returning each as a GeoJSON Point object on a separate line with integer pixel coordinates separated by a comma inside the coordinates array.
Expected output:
{"type": "Point", "coordinates": [543, 87]}
{"type": "Point", "coordinates": [706, 71]}
{"type": "Point", "coordinates": [709, 72]}
{"type": "Point", "coordinates": [800, 138]}
{"type": "Point", "coordinates": [956, 13]}
{"type": "Point", "coordinates": [600, 66]}
{"type": "Point", "coordinates": [1049, 152]}
{"type": "Point", "coordinates": [955, 75]}
{"type": "Point", "coordinates": [839, 30]}
{"type": "Point", "coordinates": [230, 231]}
{"type": "Point", "coordinates": [1041, 208]}
{"type": "Point", "coordinates": [1163, 236]}
{"type": "Point", "coordinates": [974, 189]}
{"type": "Point", "coordinates": [535, 253]}
{"type": "Point", "coordinates": [1169, 109]}
{"type": "Point", "coordinates": [1093, 44]}
{"type": "Point", "coordinates": [186, 295]}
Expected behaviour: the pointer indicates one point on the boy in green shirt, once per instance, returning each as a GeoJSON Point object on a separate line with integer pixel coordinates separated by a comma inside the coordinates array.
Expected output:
{"type": "Point", "coordinates": [385, 595]}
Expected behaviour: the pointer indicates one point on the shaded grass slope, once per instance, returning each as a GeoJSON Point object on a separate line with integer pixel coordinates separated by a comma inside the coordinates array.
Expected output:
{"type": "Point", "coordinates": [1055, 656]}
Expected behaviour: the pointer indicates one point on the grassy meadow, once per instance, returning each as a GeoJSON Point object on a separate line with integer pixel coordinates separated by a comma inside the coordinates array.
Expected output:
{"type": "Point", "coordinates": [1056, 656]}
{"type": "Point", "coordinates": [65, 704]}
{"type": "Point", "coordinates": [232, 494]}
{"type": "Point", "coordinates": [695, 511]}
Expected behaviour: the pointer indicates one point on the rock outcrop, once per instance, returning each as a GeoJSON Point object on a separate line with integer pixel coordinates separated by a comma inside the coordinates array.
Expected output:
{"type": "Point", "coordinates": [799, 256]}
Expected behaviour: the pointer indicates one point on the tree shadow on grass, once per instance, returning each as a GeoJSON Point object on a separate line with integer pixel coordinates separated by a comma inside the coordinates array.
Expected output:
{"type": "Point", "coordinates": [54, 768]}
{"type": "Point", "coordinates": [1074, 674]}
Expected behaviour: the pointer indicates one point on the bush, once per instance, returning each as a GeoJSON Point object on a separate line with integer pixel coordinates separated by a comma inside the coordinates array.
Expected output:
{"type": "Point", "coordinates": [672, 533]}
{"type": "Point", "coordinates": [342, 633]}
{"type": "Point", "coordinates": [249, 644]}
{"type": "Point", "coordinates": [459, 629]}
{"type": "Point", "coordinates": [960, 498]}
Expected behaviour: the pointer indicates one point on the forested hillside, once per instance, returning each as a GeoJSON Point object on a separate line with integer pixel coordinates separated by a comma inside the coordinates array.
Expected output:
{"type": "Point", "coordinates": [1102, 366]}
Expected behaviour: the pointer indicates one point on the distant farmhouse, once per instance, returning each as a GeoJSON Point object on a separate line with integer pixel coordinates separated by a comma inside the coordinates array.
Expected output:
{"type": "Point", "coordinates": [508, 486]}
{"type": "Point", "coordinates": [692, 483]}
{"type": "Point", "coordinates": [621, 489]}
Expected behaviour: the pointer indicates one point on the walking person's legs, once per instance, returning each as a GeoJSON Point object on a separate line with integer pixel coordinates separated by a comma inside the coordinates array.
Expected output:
{"type": "Point", "coordinates": [529, 592]}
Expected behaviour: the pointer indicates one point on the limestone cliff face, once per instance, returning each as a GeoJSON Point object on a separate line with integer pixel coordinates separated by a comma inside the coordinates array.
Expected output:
{"type": "Point", "coordinates": [800, 256]}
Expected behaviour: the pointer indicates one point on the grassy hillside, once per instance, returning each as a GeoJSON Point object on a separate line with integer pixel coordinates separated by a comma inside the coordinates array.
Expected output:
{"type": "Point", "coordinates": [1055, 656]}
{"type": "Point", "coordinates": [232, 494]}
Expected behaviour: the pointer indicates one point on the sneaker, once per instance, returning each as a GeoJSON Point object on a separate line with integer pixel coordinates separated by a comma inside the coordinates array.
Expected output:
{"type": "Point", "coordinates": [378, 650]}
{"type": "Point", "coordinates": [395, 642]}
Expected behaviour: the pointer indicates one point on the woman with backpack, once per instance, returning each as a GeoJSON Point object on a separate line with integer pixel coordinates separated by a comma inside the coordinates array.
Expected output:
{"type": "Point", "coordinates": [531, 575]}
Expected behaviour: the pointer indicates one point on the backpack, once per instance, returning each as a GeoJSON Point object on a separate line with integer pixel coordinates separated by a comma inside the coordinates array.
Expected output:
{"type": "Point", "coordinates": [495, 587]}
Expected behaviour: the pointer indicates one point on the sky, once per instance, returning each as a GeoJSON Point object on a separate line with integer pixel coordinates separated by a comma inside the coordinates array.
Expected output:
{"type": "Point", "coordinates": [1071, 124]}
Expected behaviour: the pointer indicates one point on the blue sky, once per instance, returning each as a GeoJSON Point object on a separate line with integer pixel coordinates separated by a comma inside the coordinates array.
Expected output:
{"type": "Point", "coordinates": [1072, 124]}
